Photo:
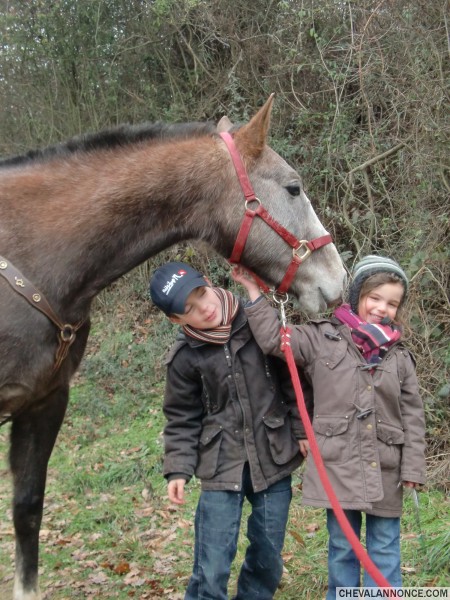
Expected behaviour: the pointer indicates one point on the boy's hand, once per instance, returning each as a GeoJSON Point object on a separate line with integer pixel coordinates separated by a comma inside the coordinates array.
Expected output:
{"type": "Point", "coordinates": [175, 489]}
{"type": "Point", "coordinates": [242, 276]}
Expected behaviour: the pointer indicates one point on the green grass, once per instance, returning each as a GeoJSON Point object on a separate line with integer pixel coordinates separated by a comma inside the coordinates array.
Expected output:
{"type": "Point", "coordinates": [110, 532]}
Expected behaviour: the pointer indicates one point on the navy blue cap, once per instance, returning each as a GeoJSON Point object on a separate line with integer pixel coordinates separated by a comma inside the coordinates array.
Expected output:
{"type": "Point", "coordinates": [171, 285]}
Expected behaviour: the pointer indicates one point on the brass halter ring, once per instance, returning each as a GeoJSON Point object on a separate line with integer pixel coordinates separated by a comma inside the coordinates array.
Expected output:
{"type": "Point", "coordinates": [67, 333]}
{"type": "Point", "coordinates": [248, 202]}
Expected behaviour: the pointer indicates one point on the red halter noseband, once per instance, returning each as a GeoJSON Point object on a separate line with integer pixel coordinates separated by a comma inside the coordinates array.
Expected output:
{"type": "Point", "coordinates": [301, 249]}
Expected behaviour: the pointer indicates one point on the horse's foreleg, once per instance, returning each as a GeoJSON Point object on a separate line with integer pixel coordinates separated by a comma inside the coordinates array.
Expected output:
{"type": "Point", "coordinates": [33, 436]}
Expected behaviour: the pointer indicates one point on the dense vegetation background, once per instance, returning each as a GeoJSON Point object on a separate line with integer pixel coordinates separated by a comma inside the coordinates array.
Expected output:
{"type": "Point", "coordinates": [361, 111]}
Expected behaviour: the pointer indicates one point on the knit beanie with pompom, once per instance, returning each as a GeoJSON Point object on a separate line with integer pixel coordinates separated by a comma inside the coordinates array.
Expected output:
{"type": "Point", "coordinates": [367, 267]}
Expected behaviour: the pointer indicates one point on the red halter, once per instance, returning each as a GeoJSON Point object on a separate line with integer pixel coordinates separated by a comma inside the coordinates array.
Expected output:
{"type": "Point", "coordinates": [301, 249]}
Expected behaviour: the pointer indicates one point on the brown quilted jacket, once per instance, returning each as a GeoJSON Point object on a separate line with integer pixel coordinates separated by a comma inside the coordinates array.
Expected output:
{"type": "Point", "coordinates": [369, 426]}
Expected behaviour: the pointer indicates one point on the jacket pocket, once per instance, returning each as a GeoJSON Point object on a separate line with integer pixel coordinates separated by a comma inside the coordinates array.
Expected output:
{"type": "Point", "coordinates": [282, 443]}
{"type": "Point", "coordinates": [208, 452]}
{"type": "Point", "coordinates": [390, 441]}
{"type": "Point", "coordinates": [334, 352]}
{"type": "Point", "coordinates": [332, 438]}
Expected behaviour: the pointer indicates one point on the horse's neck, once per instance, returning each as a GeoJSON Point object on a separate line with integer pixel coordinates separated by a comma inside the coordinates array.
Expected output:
{"type": "Point", "coordinates": [92, 220]}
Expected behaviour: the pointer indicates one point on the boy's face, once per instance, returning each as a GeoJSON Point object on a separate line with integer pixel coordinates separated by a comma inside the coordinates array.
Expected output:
{"type": "Point", "coordinates": [203, 309]}
{"type": "Point", "coordinates": [383, 301]}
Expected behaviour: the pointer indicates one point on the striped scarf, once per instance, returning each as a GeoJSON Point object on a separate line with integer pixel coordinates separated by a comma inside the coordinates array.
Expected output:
{"type": "Point", "coordinates": [222, 333]}
{"type": "Point", "coordinates": [374, 340]}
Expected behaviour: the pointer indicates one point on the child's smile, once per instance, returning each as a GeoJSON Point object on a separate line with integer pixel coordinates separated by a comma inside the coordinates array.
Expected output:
{"type": "Point", "coordinates": [381, 302]}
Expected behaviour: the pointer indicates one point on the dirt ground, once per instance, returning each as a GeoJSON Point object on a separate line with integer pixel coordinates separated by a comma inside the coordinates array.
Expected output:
{"type": "Point", "coordinates": [6, 591]}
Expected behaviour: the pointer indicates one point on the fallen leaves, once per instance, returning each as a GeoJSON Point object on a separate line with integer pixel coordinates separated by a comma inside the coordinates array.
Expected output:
{"type": "Point", "coordinates": [297, 537]}
{"type": "Point", "coordinates": [87, 565]}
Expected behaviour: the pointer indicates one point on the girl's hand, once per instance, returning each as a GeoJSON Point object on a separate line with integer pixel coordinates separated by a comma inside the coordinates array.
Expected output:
{"type": "Point", "coordinates": [410, 484]}
{"type": "Point", "coordinates": [304, 447]}
{"type": "Point", "coordinates": [242, 276]}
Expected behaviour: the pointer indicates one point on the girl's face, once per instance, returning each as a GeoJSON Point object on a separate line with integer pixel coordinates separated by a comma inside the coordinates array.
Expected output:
{"type": "Point", "coordinates": [381, 302]}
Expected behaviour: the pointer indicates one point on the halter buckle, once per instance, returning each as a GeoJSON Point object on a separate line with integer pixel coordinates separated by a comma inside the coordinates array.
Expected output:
{"type": "Point", "coordinates": [302, 246]}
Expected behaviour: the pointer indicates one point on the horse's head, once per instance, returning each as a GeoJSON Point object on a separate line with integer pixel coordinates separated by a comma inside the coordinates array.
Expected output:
{"type": "Point", "coordinates": [320, 278]}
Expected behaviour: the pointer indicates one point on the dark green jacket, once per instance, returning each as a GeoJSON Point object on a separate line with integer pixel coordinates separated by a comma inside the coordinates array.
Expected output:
{"type": "Point", "coordinates": [226, 405]}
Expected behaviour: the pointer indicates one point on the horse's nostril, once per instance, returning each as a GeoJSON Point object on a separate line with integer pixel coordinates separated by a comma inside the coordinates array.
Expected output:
{"type": "Point", "coordinates": [330, 303]}
{"type": "Point", "coordinates": [335, 302]}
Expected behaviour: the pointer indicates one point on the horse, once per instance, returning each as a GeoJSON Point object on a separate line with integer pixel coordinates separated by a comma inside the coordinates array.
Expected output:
{"type": "Point", "coordinates": [78, 215]}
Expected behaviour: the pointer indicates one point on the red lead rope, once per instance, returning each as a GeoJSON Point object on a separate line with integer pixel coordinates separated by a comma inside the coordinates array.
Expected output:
{"type": "Point", "coordinates": [358, 549]}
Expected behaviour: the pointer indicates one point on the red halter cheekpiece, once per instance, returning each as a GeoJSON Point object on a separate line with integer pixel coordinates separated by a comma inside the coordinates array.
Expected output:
{"type": "Point", "coordinates": [301, 249]}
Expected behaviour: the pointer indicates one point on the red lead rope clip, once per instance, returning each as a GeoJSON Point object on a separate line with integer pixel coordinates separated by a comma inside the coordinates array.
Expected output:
{"type": "Point", "coordinates": [281, 300]}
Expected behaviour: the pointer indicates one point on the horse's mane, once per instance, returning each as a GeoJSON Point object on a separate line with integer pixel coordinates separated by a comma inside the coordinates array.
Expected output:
{"type": "Point", "coordinates": [122, 135]}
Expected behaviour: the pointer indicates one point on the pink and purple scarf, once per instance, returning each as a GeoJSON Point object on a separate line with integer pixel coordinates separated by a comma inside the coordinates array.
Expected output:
{"type": "Point", "coordinates": [373, 340]}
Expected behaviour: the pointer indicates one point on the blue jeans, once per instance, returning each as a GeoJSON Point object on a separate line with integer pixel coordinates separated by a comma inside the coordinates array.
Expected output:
{"type": "Point", "coordinates": [383, 547]}
{"type": "Point", "coordinates": [217, 523]}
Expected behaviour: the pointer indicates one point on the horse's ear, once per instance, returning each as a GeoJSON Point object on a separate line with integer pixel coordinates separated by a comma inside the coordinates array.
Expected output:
{"type": "Point", "coordinates": [224, 124]}
{"type": "Point", "coordinates": [253, 135]}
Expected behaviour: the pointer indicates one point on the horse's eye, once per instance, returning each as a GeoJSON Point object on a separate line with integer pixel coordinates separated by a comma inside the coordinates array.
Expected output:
{"type": "Point", "coordinates": [293, 189]}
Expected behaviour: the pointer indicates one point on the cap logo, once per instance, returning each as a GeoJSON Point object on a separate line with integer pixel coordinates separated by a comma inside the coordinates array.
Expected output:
{"type": "Point", "coordinates": [175, 277]}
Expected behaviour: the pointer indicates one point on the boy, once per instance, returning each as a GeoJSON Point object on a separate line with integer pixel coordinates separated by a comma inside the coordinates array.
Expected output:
{"type": "Point", "coordinates": [232, 421]}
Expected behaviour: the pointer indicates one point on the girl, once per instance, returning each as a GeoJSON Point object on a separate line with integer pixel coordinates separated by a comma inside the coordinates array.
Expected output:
{"type": "Point", "coordinates": [368, 414]}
